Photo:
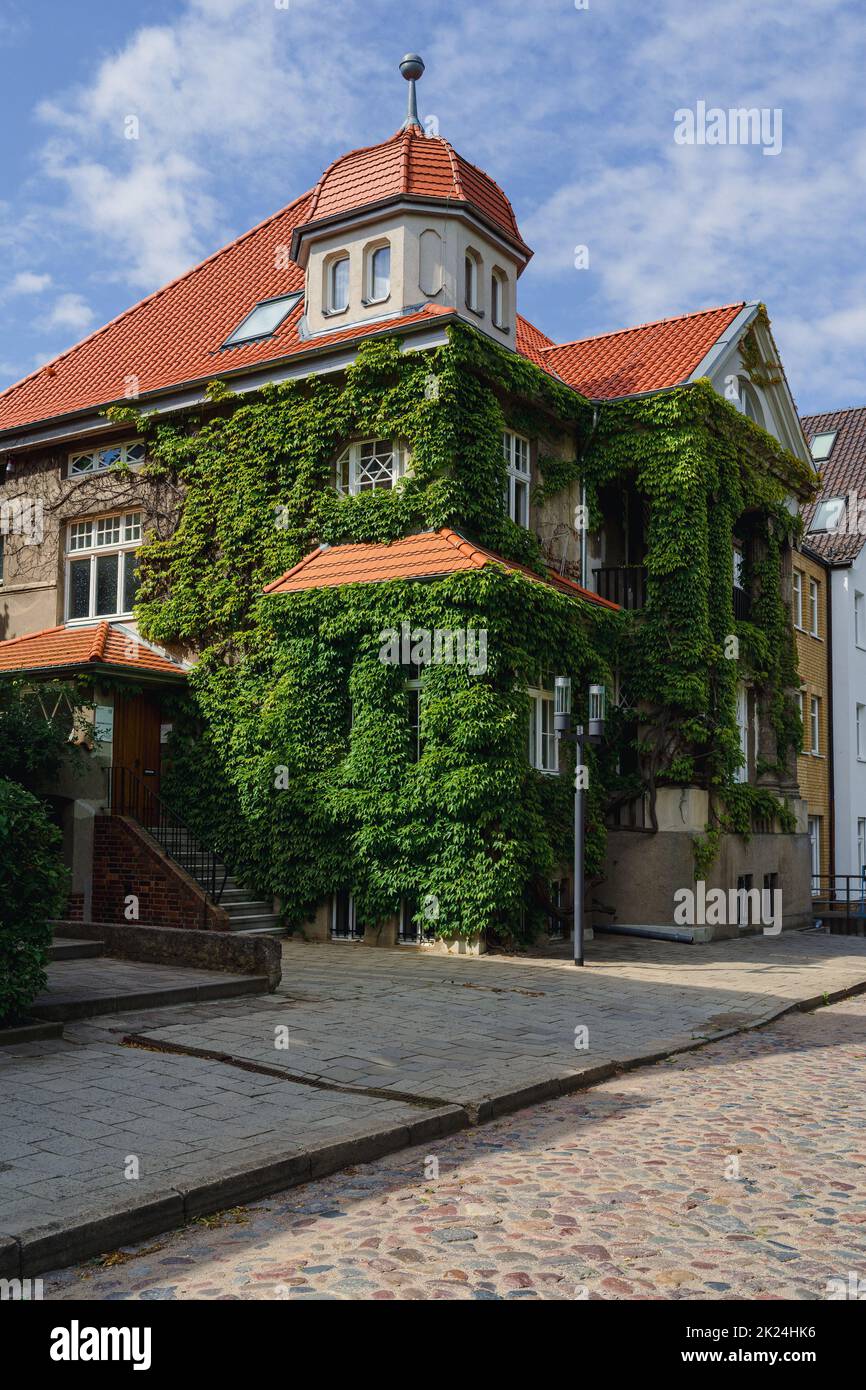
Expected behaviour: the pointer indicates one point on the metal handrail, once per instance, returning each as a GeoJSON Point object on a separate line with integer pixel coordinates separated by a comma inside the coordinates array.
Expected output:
{"type": "Point", "coordinates": [129, 796]}
{"type": "Point", "coordinates": [843, 906]}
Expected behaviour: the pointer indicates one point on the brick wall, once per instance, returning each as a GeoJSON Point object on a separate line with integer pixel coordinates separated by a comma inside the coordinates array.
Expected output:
{"type": "Point", "coordinates": [74, 908]}
{"type": "Point", "coordinates": [126, 861]}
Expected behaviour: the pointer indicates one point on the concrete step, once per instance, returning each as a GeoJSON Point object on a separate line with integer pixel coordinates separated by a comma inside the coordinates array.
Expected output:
{"type": "Point", "coordinates": [87, 989]}
{"type": "Point", "coordinates": [253, 920]}
{"type": "Point", "coordinates": [70, 948]}
{"type": "Point", "coordinates": [248, 907]}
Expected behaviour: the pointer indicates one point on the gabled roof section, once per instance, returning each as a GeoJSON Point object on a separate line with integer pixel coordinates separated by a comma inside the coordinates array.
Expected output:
{"type": "Point", "coordinates": [80, 648]}
{"type": "Point", "coordinates": [843, 474]}
{"type": "Point", "coordinates": [411, 165]}
{"type": "Point", "coordinates": [633, 360]}
{"type": "Point", "coordinates": [428, 555]}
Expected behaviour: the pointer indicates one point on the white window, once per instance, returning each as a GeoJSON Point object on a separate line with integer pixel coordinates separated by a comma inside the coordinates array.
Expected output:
{"type": "Point", "coordinates": [797, 598]}
{"type": "Point", "coordinates": [543, 746]}
{"type": "Point", "coordinates": [499, 298]}
{"type": "Point", "coordinates": [369, 464]}
{"type": "Point", "coordinates": [378, 274]}
{"type": "Point", "coordinates": [472, 281]}
{"type": "Point", "coordinates": [101, 575]}
{"type": "Point", "coordinates": [861, 733]}
{"type": "Point", "coordinates": [338, 285]}
{"type": "Point", "coordinates": [815, 851]}
{"type": "Point", "coordinates": [822, 444]}
{"type": "Point", "coordinates": [97, 460]}
{"type": "Point", "coordinates": [413, 710]}
{"type": "Point", "coordinates": [861, 843]}
{"type": "Point", "coordinates": [815, 724]}
{"type": "Point", "coordinates": [813, 606]}
{"type": "Point", "coordinates": [739, 565]}
{"type": "Point", "coordinates": [516, 451]}
{"type": "Point", "coordinates": [344, 918]}
{"type": "Point", "coordinates": [263, 320]}
{"type": "Point", "coordinates": [829, 515]}
{"type": "Point", "coordinates": [801, 699]}
{"type": "Point", "coordinates": [860, 620]}
{"type": "Point", "coordinates": [741, 774]}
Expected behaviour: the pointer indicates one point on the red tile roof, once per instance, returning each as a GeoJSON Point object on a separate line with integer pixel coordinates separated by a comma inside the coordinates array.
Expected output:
{"type": "Point", "coordinates": [432, 554]}
{"type": "Point", "coordinates": [106, 644]}
{"type": "Point", "coordinates": [633, 360]}
{"type": "Point", "coordinates": [411, 164]}
{"type": "Point", "coordinates": [843, 474]}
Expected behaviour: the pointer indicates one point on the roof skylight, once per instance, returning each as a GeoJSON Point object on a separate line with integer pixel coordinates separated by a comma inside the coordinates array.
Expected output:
{"type": "Point", "coordinates": [263, 320]}
{"type": "Point", "coordinates": [822, 444]}
{"type": "Point", "coordinates": [828, 515]}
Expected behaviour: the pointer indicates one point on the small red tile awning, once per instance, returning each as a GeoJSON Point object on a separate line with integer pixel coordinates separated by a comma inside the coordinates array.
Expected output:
{"type": "Point", "coordinates": [428, 555]}
{"type": "Point", "coordinates": [78, 649]}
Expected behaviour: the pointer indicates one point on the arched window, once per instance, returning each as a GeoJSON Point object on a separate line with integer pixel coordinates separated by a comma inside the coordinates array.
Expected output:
{"type": "Point", "coordinates": [472, 274]}
{"type": "Point", "coordinates": [499, 298]}
{"type": "Point", "coordinates": [378, 273]}
{"type": "Point", "coordinates": [338, 285]}
{"type": "Point", "coordinates": [748, 403]}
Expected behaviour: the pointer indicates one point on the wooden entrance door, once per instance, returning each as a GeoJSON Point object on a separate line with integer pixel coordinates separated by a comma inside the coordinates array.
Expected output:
{"type": "Point", "coordinates": [136, 738]}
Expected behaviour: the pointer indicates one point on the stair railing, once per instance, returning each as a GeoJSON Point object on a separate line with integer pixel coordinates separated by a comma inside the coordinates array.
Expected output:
{"type": "Point", "coordinates": [128, 795]}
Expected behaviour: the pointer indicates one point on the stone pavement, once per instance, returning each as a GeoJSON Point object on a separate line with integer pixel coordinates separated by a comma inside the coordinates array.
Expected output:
{"type": "Point", "coordinates": [385, 1049]}
{"type": "Point", "coordinates": [736, 1171]}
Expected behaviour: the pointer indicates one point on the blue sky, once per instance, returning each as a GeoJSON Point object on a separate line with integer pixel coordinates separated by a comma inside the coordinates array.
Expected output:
{"type": "Point", "coordinates": [569, 104]}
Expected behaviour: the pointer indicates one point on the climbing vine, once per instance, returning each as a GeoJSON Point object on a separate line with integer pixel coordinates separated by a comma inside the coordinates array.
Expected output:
{"type": "Point", "coordinates": [294, 751]}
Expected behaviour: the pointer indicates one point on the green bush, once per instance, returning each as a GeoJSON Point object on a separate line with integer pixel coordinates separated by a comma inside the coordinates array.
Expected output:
{"type": "Point", "coordinates": [33, 886]}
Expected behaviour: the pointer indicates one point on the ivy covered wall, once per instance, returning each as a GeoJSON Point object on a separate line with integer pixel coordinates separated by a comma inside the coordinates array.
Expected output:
{"type": "Point", "coordinates": [292, 689]}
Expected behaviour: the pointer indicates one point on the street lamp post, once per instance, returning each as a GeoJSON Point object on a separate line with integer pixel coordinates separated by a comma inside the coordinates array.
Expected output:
{"type": "Point", "coordinates": [562, 717]}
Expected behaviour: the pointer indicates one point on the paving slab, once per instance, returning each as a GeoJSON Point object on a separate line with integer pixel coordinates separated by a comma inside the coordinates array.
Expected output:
{"type": "Point", "coordinates": [360, 1052]}
{"type": "Point", "coordinates": [83, 987]}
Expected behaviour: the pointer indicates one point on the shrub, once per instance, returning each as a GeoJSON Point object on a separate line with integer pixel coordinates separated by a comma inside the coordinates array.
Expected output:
{"type": "Point", "coordinates": [33, 886]}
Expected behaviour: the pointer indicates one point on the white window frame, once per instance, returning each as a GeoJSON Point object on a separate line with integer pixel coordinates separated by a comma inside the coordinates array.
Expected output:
{"type": "Point", "coordinates": [543, 743]}
{"type": "Point", "coordinates": [813, 606]}
{"type": "Point", "coordinates": [860, 725]}
{"type": "Point", "coordinates": [339, 258]}
{"type": "Point", "coordinates": [860, 620]}
{"type": "Point", "coordinates": [797, 598]}
{"type": "Point", "coordinates": [815, 725]}
{"type": "Point", "coordinates": [85, 532]}
{"type": "Point", "coordinates": [473, 269]}
{"type": "Point", "coordinates": [353, 463]}
{"type": "Point", "coordinates": [861, 843]}
{"type": "Point", "coordinates": [371, 252]}
{"type": "Point", "coordinates": [99, 462]}
{"type": "Point", "coordinates": [499, 298]}
{"type": "Point", "coordinates": [741, 774]}
{"type": "Point", "coordinates": [353, 935]}
{"type": "Point", "coordinates": [815, 851]}
{"type": "Point", "coordinates": [518, 465]}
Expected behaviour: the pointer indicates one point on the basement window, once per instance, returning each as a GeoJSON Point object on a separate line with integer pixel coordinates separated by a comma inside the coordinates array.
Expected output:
{"type": "Point", "coordinates": [263, 320]}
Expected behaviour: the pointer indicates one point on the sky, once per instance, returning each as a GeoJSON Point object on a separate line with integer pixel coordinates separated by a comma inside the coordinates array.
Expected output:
{"type": "Point", "coordinates": [138, 137]}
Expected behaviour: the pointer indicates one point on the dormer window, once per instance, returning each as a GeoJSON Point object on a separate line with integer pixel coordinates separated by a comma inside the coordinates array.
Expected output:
{"type": "Point", "coordinates": [472, 275]}
{"type": "Point", "coordinates": [369, 464]}
{"type": "Point", "coordinates": [378, 273]}
{"type": "Point", "coordinates": [338, 285]}
{"type": "Point", "coordinates": [263, 320]}
{"type": "Point", "coordinates": [499, 298]}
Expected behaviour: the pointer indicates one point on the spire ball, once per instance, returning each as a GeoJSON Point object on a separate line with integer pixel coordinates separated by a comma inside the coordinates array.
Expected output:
{"type": "Point", "coordinates": [412, 67]}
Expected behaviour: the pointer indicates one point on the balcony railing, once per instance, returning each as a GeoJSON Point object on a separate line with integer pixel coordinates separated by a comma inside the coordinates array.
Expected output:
{"type": "Point", "coordinates": [622, 584]}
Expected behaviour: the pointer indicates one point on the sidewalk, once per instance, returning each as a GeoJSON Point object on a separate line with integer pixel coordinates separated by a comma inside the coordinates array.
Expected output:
{"type": "Point", "coordinates": [385, 1049]}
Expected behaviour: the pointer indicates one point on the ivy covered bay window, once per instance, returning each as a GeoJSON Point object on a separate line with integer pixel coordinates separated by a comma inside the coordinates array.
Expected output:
{"type": "Point", "coordinates": [369, 464]}
{"type": "Point", "coordinates": [516, 450]}
{"type": "Point", "coordinates": [101, 570]}
{"type": "Point", "coordinates": [543, 746]}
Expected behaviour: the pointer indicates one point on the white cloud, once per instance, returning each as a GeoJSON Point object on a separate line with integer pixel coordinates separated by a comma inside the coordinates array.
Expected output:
{"type": "Point", "coordinates": [27, 282]}
{"type": "Point", "coordinates": [70, 311]}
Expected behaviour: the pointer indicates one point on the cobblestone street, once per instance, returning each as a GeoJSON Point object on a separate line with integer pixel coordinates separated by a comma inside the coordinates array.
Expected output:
{"type": "Point", "coordinates": [736, 1171]}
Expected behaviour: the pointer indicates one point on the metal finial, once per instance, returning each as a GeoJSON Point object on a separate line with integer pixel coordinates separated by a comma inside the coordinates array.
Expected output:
{"type": "Point", "coordinates": [412, 67]}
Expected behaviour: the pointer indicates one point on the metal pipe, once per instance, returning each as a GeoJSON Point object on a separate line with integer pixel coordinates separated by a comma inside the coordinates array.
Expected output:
{"type": "Point", "coordinates": [578, 846]}
{"type": "Point", "coordinates": [648, 933]}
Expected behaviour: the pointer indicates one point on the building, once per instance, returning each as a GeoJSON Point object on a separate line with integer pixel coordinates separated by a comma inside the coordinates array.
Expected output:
{"type": "Point", "coordinates": [811, 615]}
{"type": "Point", "coordinates": [836, 531]}
{"type": "Point", "coordinates": [348, 397]}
